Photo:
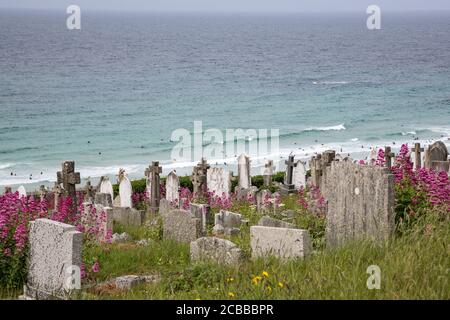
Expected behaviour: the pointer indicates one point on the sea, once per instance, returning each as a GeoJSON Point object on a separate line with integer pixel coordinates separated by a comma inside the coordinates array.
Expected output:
{"type": "Point", "coordinates": [120, 92]}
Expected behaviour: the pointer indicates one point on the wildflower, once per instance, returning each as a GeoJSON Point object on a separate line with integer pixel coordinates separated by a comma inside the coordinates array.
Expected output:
{"type": "Point", "coordinates": [256, 280]}
{"type": "Point", "coordinates": [265, 274]}
{"type": "Point", "coordinates": [269, 288]}
{"type": "Point", "coordinates": [231, 295]}
{"type": "Point", "coordinates": [280, 284]}
{"type": "Point", "coordinates": [96, 267]}
{"type": "Point", "coordinates": [230, 279]}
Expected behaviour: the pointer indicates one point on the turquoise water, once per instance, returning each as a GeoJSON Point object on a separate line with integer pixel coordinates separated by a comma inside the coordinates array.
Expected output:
{"type": "Point", "coordinates": [110, 95]}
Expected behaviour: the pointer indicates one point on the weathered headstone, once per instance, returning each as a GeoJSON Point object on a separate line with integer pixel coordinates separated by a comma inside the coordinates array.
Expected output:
{"type": "Point", "coordinates": [69, 179]}
{"type": "Point", "coordinates": [244, 181]}
{"type": "Point", "coordinates": [172, 189]}
{"type": "Point", "coordinates": [218, 250]}
{"type": "Point", "coordinates": [388, 156]}
{"type": "Point", "coordinates": [268, 173]}
{"type": "Point", "coordinates": [165, 206]}
{"type": "Point", "coordinates": [54, 260]}
{"type": "Point", "coordinates": [125, 190]}
{"type": "Point", "coordinates": [226, 222]}
{"type": "Point", "coordinates": [288, 186]}
{"type": "Point", "coordinates": [283, 243]}
{"type": "Point", "coordinates": [98, 217]}
{"type": "Point", "coordinates": [103, 199]}
{"type": "Point", "coordinates": [267, 221]}
{"type": "Point", "coordinates": [89, 191]}
{"type": "Point", "coordinates": [264, 201]}
{"type": "Point", "coordinates": [439, 166]}
{"type": "Point", "coordinates": [202, 212]}
{"type": "Point", "coordinates": [299, 175]}
{"type": "Point", "coordinates": [155, 194]}
{"type": "Point", "coordinates": [435, 152]}
{"type": "Point", "coordinates": [219, 182]}
{"type": "Point", "coordinates": [106, 186]}
{"type": "Point", "coordinates": [372, 157]}
{"type": "Point", "coordinates": [360, 202]}
{"type": "Point", "coordinates": [199, 179]}
{"type": "Point", "coordinates": [318, 166]}
{"type": "Point", "coordinates": [181, 226]}
{"type": "Point", "coordinates": [57, 192]}
{"type": "Point", "coordinates": [22, 192]}
{"type": "Point", "coordinates": [128, 216]}
{"type": "Point", "coordinates": [417, 155]}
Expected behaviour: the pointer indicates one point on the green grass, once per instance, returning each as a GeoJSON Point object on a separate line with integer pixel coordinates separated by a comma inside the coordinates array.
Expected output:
{"type": "Point", "coordinates": [415, 265]}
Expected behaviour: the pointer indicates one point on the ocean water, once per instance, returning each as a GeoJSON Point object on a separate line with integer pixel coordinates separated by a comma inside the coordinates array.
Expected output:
{"type": "Point", "coordinates": [111, 95]}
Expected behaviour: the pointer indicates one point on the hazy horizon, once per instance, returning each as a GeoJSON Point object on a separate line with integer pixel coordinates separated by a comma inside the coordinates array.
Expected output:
{"type": "Point", "coordinates": [233, 6]}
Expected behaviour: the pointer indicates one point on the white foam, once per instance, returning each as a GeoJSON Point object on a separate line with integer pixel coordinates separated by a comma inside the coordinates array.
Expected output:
{"type": "Point", "coordinates": [331, 128]}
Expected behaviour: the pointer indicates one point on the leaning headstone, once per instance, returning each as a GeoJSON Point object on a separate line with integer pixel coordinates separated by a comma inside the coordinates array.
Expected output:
{"type": "Point", "coordinates": [244, 172]}
{"type": "Point", "coordinates": [125, 190]}
{"type": "Point", "coordinates": [217, 250]}
{"type": "Point", "coordinates": [361, 202]}
{"type": "Point", "coordinates": [226, 222]}
{"type": "Point", "coordinates": [299, 175]}
{"type": "Point", "coordinates": [54, 260]}
{"type": "Point", "coordinates": [172, 188]}
{"type": "Point", "coordinates": [179, 225]}
{"type": "Point", "coordinates": [219, 182]}
{"type": "Point", "coordinates": [22, 192]}
{"type": "Point", "coordinates": [267, 221]}
{"type": "Point", "coordinates": [283, 243]}
{"type": "Point", "coordinates": [435, 152]}
{"type": "Point", "coordinates": [106, 186]}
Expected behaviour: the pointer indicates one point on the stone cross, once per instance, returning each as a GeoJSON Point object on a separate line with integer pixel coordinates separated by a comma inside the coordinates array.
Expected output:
{"type": "Point", "coordinates": [69, 179]}
{"type": "Point", "coordinates": [153, 173]}
{"type": "Point", "coordinates": [42, 192]}
{"type": "Point", "coordinates": [291, 164]}
{"type": "Point", "coordinates": [203, 166]}
{"type": "Point", "coordinates": [268, 172]}
{"type": "Point", "coordinates": [417, 150]}
{"type": "Point", "coordinates": [89, 190]}
{"type": "Point", "coordinates": [316, 170]}
{"type": "Point", "coordinates": [57, 191]}
{"type": "Point", "coordinates": [388, 155]}
{"type": "Point", "coordinates": [8, 190]}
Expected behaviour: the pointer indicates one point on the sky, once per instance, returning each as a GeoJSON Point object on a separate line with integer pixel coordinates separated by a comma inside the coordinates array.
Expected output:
{"type": "Point", "coordinates": [233, 5]}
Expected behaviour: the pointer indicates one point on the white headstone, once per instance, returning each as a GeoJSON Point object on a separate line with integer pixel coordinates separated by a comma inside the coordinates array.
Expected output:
{"type": "Point", "coordinates": [219, 181]}
{"type": "Point", "coordinates": [299, 175]}
{"type": "Point", "coordinates": [22, 192]}
{"type": "Point", "coordinates": [172, 188]}
{"type": "Point", "coordinates": [106, 187]}
{"type": "Point", "coordinates": [244, 171]}
{"type": "Point", "coordinates": [125, 192]}
{"type": "Point", "coordinates": [372, 157]}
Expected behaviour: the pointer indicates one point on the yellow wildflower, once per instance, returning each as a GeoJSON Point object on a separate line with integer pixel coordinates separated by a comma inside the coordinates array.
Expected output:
{"type": "Point", "coordinates": [280, 284]}
{"type": "Point", "coordinates": [256, 280]}
{"type": "Point", "coordinates": [231, 294]}
{"type": "Point", "coordinates": [265, 274]}
{"type": "Point", "coordinates": [230, 279]}
{"type": "Point", "coordinates": [269, 288]}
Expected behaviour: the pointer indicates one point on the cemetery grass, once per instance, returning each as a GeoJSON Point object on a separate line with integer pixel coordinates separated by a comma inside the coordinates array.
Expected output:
{"type": "Point", "coordinates": [414, 265]}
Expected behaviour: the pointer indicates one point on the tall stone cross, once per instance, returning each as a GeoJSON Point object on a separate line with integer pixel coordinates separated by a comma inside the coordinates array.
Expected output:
{"type": "Point", "coordinates": [388, 155]}
{"type": "Point", "coordinates": [418, 159]}
{"type": "Point", "coordinates": [69, 179]}
{"type": "Point", "coordinates": [57, 191]}
{"type": "Point", "coordinates": [153, 173]}
{"type": "Point", "coordinates": [291, 164]}
{"type": "Point", "coordinates": [203, 166]}
{"type": "Point", "coordinates": [268, 173]}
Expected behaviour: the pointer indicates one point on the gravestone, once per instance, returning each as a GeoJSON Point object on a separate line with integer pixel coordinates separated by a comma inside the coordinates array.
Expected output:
{"type": "Point", "coordinates": [153, 173]}
{"type": "Point", "coordinates": [89, 191]}
{"type": "Point", "coordinates": [98, 217]}
{"type": "Point", "coordinates": [202, 212]}
{"type": "Point", "coordinates": [199, 179]}
{"type": "Point", "coordinates": [372, 157]}
{"type": "Point", "coordinates": [283, 243]}
{"type": "Point", "coordinates": [439, 166]}
{"type": "Point", "coordinates": [267, 221]}
{"type": "Point", "coordinates": [264, 201]}
{"type": "Point", "coordinates": [172, 189]}
{"type": "Point", "coordinates": [219, 182]}
{"type": "Point", "coordinates": [417, 155]}
{"type": "Point", "coordinates": [435, 152]}
{"type": "Point", "coordinates": [8, 190]}
{"type": "Point", "coordinates": [57, 192]}
{"type": "Point", "coordinates": [125, 190]}
{"type": "Point", "coordinates": [54, 260]}
{"type": "Point", "coordinates": [165, 206]}
{"type": "Point", "coordinates": [103, 199]}
{"type": "Point", "coordinates": [181, 226]}
{"type": "Point", "coordinates": [226, 222]}
{"type": "Point", "coordinates": [42, 193]}
{"type": "Point", "coordinates": [128, 216]}
{"type": "Point", "coordinates": [217, 250]}
{"type": "Point", "coordinates": [288, 186]}
{"type": "Point", "coordinates": [299, 175]}
{"type": "Point", "coordinates": [244, 181]}
{"type": "Point", "coordinates": [361, 202]}
{"type": "Point", "coordinates": [318, 165]}
{"type": "Point", "coordinates": [388, 156]}
{"type": "Point", "coordinates": [69, 179]}
{"type": "Point", "coordinates": [106, 186]}
{"type": "Point", "coordinates": [248, 194]}
{"type": "Point", "coordinates": [268, 173]}
{"type": "Point", "coordinates": [22, 192]}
